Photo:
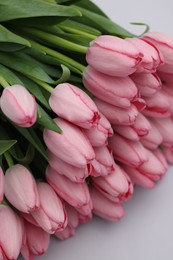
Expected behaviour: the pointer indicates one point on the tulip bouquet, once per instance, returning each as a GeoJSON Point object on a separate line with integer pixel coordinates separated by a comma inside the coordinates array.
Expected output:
{"type": "Point", "coordinates": [86, 112]}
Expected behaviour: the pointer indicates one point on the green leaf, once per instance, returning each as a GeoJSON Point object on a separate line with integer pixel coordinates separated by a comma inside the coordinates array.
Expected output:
{"type": "Point", "coordinates": [44, 10]}
{"type": "Point", "coordinates": [9, 75]}
{"type": "Point", "coordinates": [88, 5]}
{"type": "Point", "coordinates": [103, 24]}
{"type": "Point", "coordinates": [45, 120]}
{"type": "Point", "coordinates": [67, 2]}
{"type": "Point", "coordinates": [10, 41]}
{"type": "Point", "coordinates": [65, 75]}
{"type": "Point", "coordinates": [147, 27]}
{"type": "Point", "coordinates": [32, 137]}
{"type": "Point", "coordinates": [21, 63]}
{"type": "Point", "coordinates": [5, 145]}
{"type": "Point", "coordinates": [24, 159]}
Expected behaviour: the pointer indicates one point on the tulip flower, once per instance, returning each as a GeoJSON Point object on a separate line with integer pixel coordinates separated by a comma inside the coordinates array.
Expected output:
{"type": "Point", "coordinates": [11, 230]}
{"type": "Point", "coordinates": [105, 126]}
{"type": "Point", "coordinates": [85, 218]}
{"type": "Point", "coordinates": [37, 239]}
{"type": "Point", "coordinates": [152, 57]}
{"type": "Point", "coordinates": [71, 172]}
{"type": "Point", "coordinates": [164, 43]}
{"type": "Point", "coordinates": [104, 207]}
{"type": "Point", "coordinates": [1, 184]}
{"type": "Point", "coordinates": [104, 162]}
{"type": "Point", "coordinates": [86, 210]}
{"type": "Point", "coordinates": [140, 128]}
{"type": "Point", "coordinates": [117, 91]}
{"type": "Point", "coordinates": [113, 56]}
{"type": "Point", "coordinates": [168, 154]}
{"type": "Point", "coordinates": [116, 186]}
{"type": "Point", "coordinates": [165, 127]}
{"type": "Point", "coordinates": [158, 106]}
{"type": "Point", "coordinates": [166, 77]}
{"type": "Point", "coordinates": [138, 178]}
{"type": "Point", "coordinates": [74, 105]}
{"type": "Point", "coordinates": [153, 139]}
{"type": "Point", "coordinates": [26, 253]}
{"type": "Point", "coordinates": [71, 146]}
{"type": "Point", "coordinates": [147, 83]}
{"type": "Point", "coordinates": [29, 218]}
{"type": "Point", "coordinates": [19, 105]}
{"type": "Point", "coordinates": [76, 194]}
{"type": "Point", "coordinates": [51, 215]}
{"type": "Point", "coordinates": [21, 189]}
{"type": "Point", "coordinates": [66, 233]}
{"type": "Point", "coordinates": [117, 115]}
{"type": "Point", "coordinates": [127, 151]}
{"type": "Point", "coordinates": [160, 156]}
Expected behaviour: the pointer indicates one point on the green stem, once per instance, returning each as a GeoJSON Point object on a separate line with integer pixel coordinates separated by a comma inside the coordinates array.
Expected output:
{"type": "Point", "coordinates": [9, 159]}
{"type": "Point", "coordinates": [46, 86]}
{"type": "Point", "coordinates": [3, 82]}
{"type": "Point", "coordinates": [76, 31]}
{"type": "Point", "coordinates": [61, 57]}
{"type": "Point", "coordinates": [58, 41]}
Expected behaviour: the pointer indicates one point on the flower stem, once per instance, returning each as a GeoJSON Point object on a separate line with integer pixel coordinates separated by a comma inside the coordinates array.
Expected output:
{"type": "Point", "coordinates": [3, 82]}
{"type": "Point", "coordinates": [58, 41]}
{"type": "Point", "coordinates": [46, 86]}
{"type": "Point", "coordinates": [61, 57]}
{"type": "Point", "coordinates": [9, 159]}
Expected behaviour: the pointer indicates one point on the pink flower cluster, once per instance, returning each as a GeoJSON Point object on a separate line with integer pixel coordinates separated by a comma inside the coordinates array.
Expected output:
{"type": "Point", "coordinates": [121, 137]}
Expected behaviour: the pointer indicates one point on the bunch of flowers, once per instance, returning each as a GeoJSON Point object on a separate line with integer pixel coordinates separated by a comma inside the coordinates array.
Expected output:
{"type": "Point", "coordinates": [86, 114]}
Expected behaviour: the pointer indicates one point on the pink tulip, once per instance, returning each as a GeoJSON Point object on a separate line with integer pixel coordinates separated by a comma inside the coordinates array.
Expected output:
{"type": "Point", "coordinates": [127, 151]}
{"type": "Point", "coordinates": [71, 146]}
{"type": "Point", "coordinates": [19, 105]}
{"type": "Point", "coordinates": [85, 218]}
{"type": "Point", "coordinates": [117, 115]}
{"type": "Point", "coordinates": [166, 77]}
{"type": "Point", "coordinates": [152, 57]}
{"type": "Point", "coordinates": [165, 127]}
{"type": "Point", "coordinates": [153, 139]}
{"type": "Point", "coordinates": [37, 239]}
{"type": "Point", "coordinates": [11, 230]}
{"type": "Point", "coordinates": [104, 207]}
{"type": "Point", "coordinates": [76, 194]}
{"type": "Point", "coordinates": [160, 156]}
{"type": "Point", "coordinates": [104, 162]}
{"type": "Point", "coordinates": [157, 106]}
{"type": "Point", "coordinates": [140, 128]}
{"type": "Point", "coordinates": [21, 189]}
{"type": "Point", "coordinates": [153, 168]}
{"type": "Point", "coordinates": [51, 215]}
{"type": "Point", "coordinates": [1, 184]}
{"type": "Point", "coordinates": [105, 126]}
{"type": "Point", "coordinates": [113, 90]}
{"type": "Point", "coordinates": [29, 218]}
{"type": "Point", "coordinates": [74, 105]}
{"type": "Point", "coordinates": [113, 56]}
{"type": "Point", "coordinates": [73, 173]}
{"type": "Point", "coordinates": [147, 83]}
{"type": "Point", "coordinates": [164, 43]}
{"type": "Point", "coordinates": [86, 210]}
{"type": "Point", "coordinates": [116, 186]}
{"type": "Point", "coordinates": [168, 154]}
{"type": "Point", "coordinates": [138, 178]}
{"type": "Point", "coordinates": [96, 136]}
{"type": "Point", "coordinates": [66, 233]}
{"type": "Point", "coordinates": [26, 253]}
{"type": "Point", "coordinates": [139, 104]}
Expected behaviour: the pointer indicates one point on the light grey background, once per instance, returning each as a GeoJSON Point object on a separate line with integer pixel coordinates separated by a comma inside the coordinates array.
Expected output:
{"type": "Point", "coordinates": [146, 231]}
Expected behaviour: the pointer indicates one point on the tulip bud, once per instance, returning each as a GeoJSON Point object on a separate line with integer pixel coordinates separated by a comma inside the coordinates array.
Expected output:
{"type": "Point", "coordinates": [1, 184]}
{"type": "Point", "coordinates": [153, 139]}
{"type": "Point", "coordinates": [160, 156]}
{"type": "Point", "coordinates": [21, 189]}
{"type": "Point", "coordinates": [168, 154]}
{"type": "Point", "coordinates": [152, 57]}
{"type": "Point", "coordinates": [51, 215]}
{"type": "Point", "coordinates": [74, 105]}
{"type": "Point", "coordinates": [11, 230]}
{"type": "Point", "coordinates": [113, 56]}
{"type": "Point", "coordinates": [147, 84]}
{"type": "Point", "coordinates": [104, 207]}
{"type": "Point", "coordinates": [37, 239]}
{"type": "Point", "coordinates": [117, 115]}
{"type": "Point", "coordinates": [71, 172]}
{"type": "Point", "coordinates": [164, 43]}
{"type": "Point", "coordinates": [127, 151]}
{"type": "Point", "coordinates": [113, 90]}
{"type": "Point", "coordinates": [19, 105]}
{"type": "Point", "coordinates": [157, 106]}
{"type": "Point", "coordinates": [166, 78]}
{"type": "Point", "coordinates": [138, 178]}
{"type": "Point", "coordinates": [71, 146]}
{"type": "Point", "coordinates": [165, 127]}
{"type": "Point", "coordinates": [26, 253]}
{"type": "Point", "coordinates": [140, 128]}
{"type": "Point", "coordinates": [116, 186]}
{"type": "Point", "coordinates": [76, 194]}
{"type": "Point", "coordinates": [66, 233]}
{"type": "Point", "coordinates": [104, 162]}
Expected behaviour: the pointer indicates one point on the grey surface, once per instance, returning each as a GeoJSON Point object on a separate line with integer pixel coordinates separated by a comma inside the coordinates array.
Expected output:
{"type": "Point", "coordinates": [146, 231]}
